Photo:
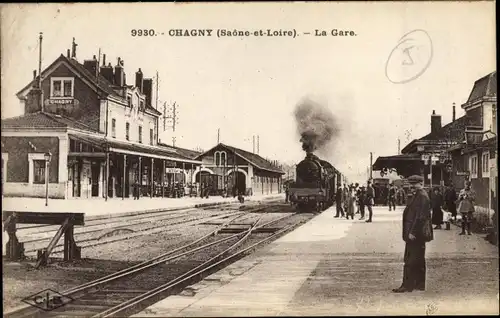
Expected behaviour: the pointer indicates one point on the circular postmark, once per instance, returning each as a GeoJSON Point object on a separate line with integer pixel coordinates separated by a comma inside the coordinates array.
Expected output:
{"type": "Point", "coordinates": [410, 58]}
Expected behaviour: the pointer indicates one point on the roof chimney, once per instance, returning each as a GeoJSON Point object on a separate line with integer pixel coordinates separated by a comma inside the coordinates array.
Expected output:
{"type": "Point", "coordinates": [147, 85]}
{"type": "Point", "coordinates": [435, 122]}
{"type": "Point", "coordinates": [91, 65]}
{"type": "Point", "coordinates": [454, 113]}
{"type": "Point", "coordinates": [104, 60]}
{"type": "Point", "coordinates": [139, 80]}
{"type": "Point", "coordinates": [119, 78]}
{"type": "Point", "coordinates": [34, 74]}
{"type": "Point", "coordinates": [68, 54]}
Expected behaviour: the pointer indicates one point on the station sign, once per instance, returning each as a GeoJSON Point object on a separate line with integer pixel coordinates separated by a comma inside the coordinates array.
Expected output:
{"type": "Point", "coordinates": [173, 170]}
{"type": "Point", "coordinates": [170, 164]}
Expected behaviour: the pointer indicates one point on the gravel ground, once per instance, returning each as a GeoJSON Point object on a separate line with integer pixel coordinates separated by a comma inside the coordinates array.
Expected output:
{"type": "Point", "coordinates": [22, 280]}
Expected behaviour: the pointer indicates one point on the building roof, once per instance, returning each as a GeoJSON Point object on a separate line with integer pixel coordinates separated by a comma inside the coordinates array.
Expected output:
{"type": "Point", "coordinates": [484, 87]}
{"type": "Point", "coordinates": [454, 131]}
{"type": "Point", "coordinates": [43, 120]}
{"type": "Point", "coordinates": [252, 158]}
{"type": "Point", "coordinates": [188, 153]}
{"type": "Point", "coordinates": [405, 164]}
{"type": "Point", "coordinates": [100, 82]}
{"type": "Point", "coordinates": [102, 142]}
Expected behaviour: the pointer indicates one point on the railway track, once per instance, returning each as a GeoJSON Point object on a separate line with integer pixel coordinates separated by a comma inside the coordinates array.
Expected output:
{"type": "Point", "coordinates": [89, 235]}
{"type": "Point", "coordinates": [132, 289]}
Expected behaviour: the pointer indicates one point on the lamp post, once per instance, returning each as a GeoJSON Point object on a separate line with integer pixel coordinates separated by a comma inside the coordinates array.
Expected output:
{"type": "Point", "coordinates": [47, 157]}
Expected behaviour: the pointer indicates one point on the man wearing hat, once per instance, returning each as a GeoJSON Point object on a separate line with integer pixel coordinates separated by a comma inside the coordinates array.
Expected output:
{"type": "Point", "coordinates": [417, 230]}
{"type": "Point", "coordinates": [369, 200]}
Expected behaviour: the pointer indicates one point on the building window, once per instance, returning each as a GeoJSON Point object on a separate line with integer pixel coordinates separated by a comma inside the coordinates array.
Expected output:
{"type": "Point", "coordinates": [494, 118]}
{"type": "Point", "coordinates": [486, 164]}
{"type": "Point", "coordinates": [127, 131]}
{"type": "Point", "coordinates": [61, 87]}
{"type": "Point", "coordinates": [39, 171]}
{"type": "Point", "coordinates": [217, 158]}
{"type": "Point", "coordinates": [473, 166]}
{"type": "Point", "coordinates": [113, 128]}
{"type": "Point", "coordinates": [129, 101]}
{"type": "Point", "coordinates": [141, 105]}
{"type": "Point", "coordinates": [151, 136]}
{"type": "Point", "coordinates": [140, 134]}
{"type": "Point", "coordinates": [223, 158]}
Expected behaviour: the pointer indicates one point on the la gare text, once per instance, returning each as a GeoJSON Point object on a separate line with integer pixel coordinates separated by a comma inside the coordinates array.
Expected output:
{"type": "Point", "coordinates": [240, 33]}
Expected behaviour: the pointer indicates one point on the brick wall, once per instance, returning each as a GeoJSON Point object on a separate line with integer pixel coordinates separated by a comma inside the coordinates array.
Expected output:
{"type": "Point", "coordinates": [18, 149]}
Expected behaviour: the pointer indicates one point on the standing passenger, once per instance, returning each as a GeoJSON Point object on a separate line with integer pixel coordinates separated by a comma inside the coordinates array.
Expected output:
{"type": "Point", "coordinates": [339, 195]}
{"type": "Point", "coordinates": [437, 213]}
{"type": "Point", "coordinates": [351, 207]}
{"type": "Point", "coordinates": [392, 197]}
{"type": "Point", "coordinates": [370, 200]}
{"type": "Point", "coordinates": [362, 198]}
{"type": "Point", "coordinates": [450, 198]}
{"type": "Point", "coordinates": [466, 207]}
{"type": "Point", "coordinates": [417, 231]}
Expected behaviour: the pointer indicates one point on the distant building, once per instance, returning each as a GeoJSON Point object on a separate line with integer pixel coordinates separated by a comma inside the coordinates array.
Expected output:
{"type": "Point", "coordinates": [247, 171]}
{"type": "Point", "coordinates": [412, 160]}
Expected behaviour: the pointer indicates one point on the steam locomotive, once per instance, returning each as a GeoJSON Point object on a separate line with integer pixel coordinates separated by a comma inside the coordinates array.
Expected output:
{"type": "Point", "coordinates": [315, 185]}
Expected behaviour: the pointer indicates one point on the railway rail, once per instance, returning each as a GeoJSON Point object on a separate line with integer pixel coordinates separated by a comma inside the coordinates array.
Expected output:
{"type": "Point", "coordinates": [90, 236]}
{"type": "Point", "coordinates": [91, 299]}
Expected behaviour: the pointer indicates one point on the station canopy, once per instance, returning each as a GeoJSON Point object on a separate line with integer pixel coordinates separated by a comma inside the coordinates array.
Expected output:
{"type": "Point", "coordinates": [405, 164]}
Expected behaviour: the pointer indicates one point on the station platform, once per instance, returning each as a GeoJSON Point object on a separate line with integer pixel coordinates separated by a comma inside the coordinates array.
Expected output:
{"type": "Point", "coordinates": [332, 266]}
{"type": "Point", "coordinates": [117, 206]}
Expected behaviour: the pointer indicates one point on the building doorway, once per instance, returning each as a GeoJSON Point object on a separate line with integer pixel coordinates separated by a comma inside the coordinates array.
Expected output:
{"type": "Point", "coordinates": [237, 183]}
{"type": "Point", "coordinates": [95, 172]}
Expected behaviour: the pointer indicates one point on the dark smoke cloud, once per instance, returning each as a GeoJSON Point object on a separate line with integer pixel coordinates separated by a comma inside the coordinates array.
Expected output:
{"type": "Point", "coordinates": [316, 125]}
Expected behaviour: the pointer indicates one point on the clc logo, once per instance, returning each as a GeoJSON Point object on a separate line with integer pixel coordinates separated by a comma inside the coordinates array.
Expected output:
{"type": "Point", "coordinates": [47, 300]}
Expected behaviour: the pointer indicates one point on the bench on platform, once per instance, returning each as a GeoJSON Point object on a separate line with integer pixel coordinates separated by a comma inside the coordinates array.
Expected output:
{"type": "Point", "coordinates": [67, 221]}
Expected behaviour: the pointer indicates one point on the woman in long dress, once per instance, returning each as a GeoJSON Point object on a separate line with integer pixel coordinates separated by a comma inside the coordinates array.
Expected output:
{"type": "Point", "coordinates": [351, 205]}
{"type": "Point", "coordinates": [437, 212]}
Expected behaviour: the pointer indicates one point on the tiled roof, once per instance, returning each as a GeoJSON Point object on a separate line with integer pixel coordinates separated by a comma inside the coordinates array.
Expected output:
{"type": "Point", "coordinates": [254, 159]}
{"type": "Point", "coordinates": [100, 81]}
{"type": "Point", "coordinates": [484, 87]}
{"type": "Point", "coordinates": [43, 120]}
{"type": "Point", "coordinates": [192, 154]}
{"type": "Point", "coordinates": [100, 141]}
{"type": "Point", "coordinates": [454, 131]}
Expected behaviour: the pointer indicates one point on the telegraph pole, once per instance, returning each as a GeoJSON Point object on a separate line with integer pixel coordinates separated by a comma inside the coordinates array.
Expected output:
{"type": "Point", "coordinates": [40, 72]}
{"type": "Point", "coordinates": [164, 116]}
{"type": "Point", "coordinates": [174, 116]}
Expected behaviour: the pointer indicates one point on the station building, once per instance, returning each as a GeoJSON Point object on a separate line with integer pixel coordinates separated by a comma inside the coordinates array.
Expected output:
{"type": "Point", "coordinates": [249, 172]}
{"type": "Point", "coordinates": [100, 132]}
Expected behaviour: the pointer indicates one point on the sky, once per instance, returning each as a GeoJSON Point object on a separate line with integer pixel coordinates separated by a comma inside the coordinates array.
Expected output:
{"type": "Point", "coordinates": [249, 86]}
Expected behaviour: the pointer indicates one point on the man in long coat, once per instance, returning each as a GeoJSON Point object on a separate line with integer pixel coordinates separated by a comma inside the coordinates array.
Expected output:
{"type": "Point", "coordinates": [417, 231]}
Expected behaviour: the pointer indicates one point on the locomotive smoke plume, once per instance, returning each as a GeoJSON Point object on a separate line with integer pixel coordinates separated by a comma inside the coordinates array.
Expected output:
{"type": "Point", "coordinates": [316, 125]}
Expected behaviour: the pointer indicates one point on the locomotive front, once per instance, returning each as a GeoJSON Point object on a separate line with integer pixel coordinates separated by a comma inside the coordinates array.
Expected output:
{"type": "Point", "coordinates": [307, 190]}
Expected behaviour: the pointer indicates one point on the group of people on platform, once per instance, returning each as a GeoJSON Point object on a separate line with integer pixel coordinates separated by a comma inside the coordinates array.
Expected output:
{"type": "Point", "coordinates": [353, 199]}
{"type": "Point", "coordinates": [462, 203]}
